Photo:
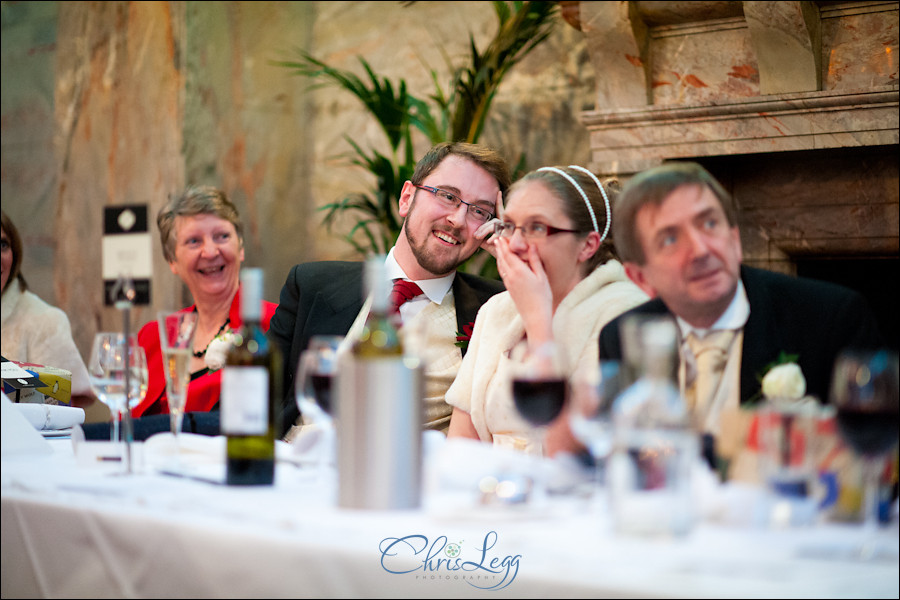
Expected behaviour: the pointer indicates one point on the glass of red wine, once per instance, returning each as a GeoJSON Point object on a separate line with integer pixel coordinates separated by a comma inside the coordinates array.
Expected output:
{"type": "Point", "coordinates": [315, 373]}
{"type": "Point", "coordinates": [864, 391]}
{"type": "Point", "coordinates": [539, 389]}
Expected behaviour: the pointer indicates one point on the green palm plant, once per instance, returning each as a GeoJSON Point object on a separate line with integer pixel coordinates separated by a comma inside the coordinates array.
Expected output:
{"type": "Point", "coordinates": [521, 27]}
{"type": "Point", "coordinates": [459, 115]}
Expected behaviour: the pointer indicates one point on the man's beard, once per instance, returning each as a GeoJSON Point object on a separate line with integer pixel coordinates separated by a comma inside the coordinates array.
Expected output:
{"type": "Point", "coordinates": [436, 265]}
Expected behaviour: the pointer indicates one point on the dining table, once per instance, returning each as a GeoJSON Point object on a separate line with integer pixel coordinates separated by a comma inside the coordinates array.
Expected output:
{"type": "Point", "coordinates": [83, 519]}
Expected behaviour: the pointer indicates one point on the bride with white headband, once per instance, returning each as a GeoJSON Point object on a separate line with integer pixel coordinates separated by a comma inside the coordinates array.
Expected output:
{"type": "Point", "coordinates": [563, 284]}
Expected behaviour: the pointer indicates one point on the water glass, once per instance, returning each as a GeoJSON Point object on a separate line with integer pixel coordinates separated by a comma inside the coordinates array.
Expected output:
{"type": "Point", "coordinates": [787, 434]}
{"type": "Point", "coordinates": [590, 417]}
{"type": "Point", "coordinates": [107, 368]}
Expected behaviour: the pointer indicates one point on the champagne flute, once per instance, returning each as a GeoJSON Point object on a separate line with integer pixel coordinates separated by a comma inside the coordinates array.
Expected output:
{"type": "Point", "coordinates": [539, 389]}
{"type": "Point", "coordinates": [176, 338]}
{"type": "Point", "coordinates": [864, 391]}
{"type": "Point", "coordinates": [106, 368]}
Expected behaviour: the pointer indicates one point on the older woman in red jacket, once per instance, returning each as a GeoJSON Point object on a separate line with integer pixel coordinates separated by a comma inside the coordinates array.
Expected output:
{"type": "Point", "coordinates": [202, 238]}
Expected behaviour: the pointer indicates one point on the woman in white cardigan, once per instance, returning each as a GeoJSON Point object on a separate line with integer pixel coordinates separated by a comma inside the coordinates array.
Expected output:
{"type": "Point", "coordinates": [563, 285]}
{"type": "Point", "coordinates": [36, 332]}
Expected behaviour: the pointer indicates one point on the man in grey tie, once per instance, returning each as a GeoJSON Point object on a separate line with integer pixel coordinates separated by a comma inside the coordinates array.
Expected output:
{"type": "Point", "coordinates": [675, 229]}
{"type": "Point", "coordinates": [454, 191]}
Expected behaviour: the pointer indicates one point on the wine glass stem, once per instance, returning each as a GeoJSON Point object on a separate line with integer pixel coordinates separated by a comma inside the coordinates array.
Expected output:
{"type": "Point", "coordinates": [114, 434]}
{"type": "Point", "coordinates": [176, 420]}
{"type": "Point", "coordinates": [326, 448]}
{"type": "Point", "coordinates": [871, 471]}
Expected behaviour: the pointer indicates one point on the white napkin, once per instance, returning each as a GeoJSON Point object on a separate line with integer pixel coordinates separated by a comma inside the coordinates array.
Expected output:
{"type": "Point", "coordinates": [51, 416]}
{"type": "Point", "coordinates": [312, 442]}
{"type": "Point", "coordinates": [18, 438]}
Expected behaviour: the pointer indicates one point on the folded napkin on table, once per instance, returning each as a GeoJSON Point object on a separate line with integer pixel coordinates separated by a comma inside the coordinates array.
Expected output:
{"type": "Point", "coordinates": [312, 442]}
{"type": "Point", "coordinates": [18, 438]}
{"type": "Point", "coordinates": [50, 416]}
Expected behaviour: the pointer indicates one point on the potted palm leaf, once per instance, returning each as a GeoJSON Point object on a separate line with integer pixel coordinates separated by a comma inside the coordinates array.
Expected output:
{"type": "Point", "coordinates": [457, 114]}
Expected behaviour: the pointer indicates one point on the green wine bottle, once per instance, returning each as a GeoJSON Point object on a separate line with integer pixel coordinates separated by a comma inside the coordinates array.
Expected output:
{"type": "Point", "coordinates": [379, 338]}
{"type": "Point", "coordinates": [251, 392]}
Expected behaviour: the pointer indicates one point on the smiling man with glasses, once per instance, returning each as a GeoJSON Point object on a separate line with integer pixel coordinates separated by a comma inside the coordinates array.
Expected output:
{"type": "Point", "coordinates": [453, 192]}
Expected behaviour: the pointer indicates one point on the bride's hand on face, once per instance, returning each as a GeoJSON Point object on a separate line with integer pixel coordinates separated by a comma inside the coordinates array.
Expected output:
{"type": "Point", "coordinates": [526, 282]}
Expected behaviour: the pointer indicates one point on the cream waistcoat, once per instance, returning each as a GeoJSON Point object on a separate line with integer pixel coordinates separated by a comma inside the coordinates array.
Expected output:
{"type": "Point", "coordinates": [432, 334]}
{"type": "Point", "coordinates": [436, 324]}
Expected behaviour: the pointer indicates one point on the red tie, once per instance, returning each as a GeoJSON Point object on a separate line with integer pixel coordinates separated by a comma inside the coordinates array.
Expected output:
{"type": "Point", "coordinates": [403, 291]}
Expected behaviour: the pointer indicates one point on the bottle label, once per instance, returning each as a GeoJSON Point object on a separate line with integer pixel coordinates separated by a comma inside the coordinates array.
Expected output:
{"type": "Point", "coordinates": [245, 401]}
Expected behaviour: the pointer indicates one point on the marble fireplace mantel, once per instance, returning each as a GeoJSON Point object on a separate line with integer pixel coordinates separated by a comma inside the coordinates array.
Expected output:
{"type": "Point", "coordinates": [699, 79]}
{"type": "Point", "coordinates": [627, 140]}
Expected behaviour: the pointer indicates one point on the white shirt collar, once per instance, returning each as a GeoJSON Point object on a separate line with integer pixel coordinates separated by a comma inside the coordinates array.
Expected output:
{"type": "Point", "coordinates": [434, 289]}
{"type": "Point", "coordinates": [734, 317]}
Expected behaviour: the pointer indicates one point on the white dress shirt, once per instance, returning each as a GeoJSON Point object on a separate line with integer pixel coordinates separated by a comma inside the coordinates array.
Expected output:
{"type": "Point", "coordinates": [433, 290]}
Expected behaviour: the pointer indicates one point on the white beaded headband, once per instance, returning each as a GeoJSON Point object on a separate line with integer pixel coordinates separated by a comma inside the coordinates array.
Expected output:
{"type": "Point", "coordinates": [584, 195]}
{"type": "Point", "coordinates": [605, 199]}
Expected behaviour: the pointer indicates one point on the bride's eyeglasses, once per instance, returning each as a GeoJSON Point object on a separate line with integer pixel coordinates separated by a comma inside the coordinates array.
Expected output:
{"type": "Point", "coordinates": [531, 231]}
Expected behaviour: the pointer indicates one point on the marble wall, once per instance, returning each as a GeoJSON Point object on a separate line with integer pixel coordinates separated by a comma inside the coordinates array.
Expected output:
{"type": "Point", "coordinates": [119, 102]}
{"type": "Point", "coordinates": [27, 180]}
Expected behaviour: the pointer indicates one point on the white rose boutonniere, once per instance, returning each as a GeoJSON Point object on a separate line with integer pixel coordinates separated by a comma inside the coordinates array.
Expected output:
{"type": "Point", "coordinates": [784, 381]}
{"type": "Point", "coordinates": [218, 349]}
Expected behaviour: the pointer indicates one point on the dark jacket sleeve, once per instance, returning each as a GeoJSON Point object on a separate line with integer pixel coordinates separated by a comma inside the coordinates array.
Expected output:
{"type": "Point", "coordinates": [610, 341]}
{"type": "Point", "coordinates": [283, 323]}
{"type": "Point", "coordinates": [318, 298]}
{"type": "Point", "coordinates": [282, 332]}
{"type": "Point", "coordinates": [610, 346]}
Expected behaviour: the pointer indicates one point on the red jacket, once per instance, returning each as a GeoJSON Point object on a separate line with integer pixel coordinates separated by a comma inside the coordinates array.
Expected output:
{"type": "Point", "coordinates": [203, 391]}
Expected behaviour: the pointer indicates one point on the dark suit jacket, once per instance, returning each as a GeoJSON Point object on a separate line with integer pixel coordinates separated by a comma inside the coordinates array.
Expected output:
{"type": "Point", "coordinates": [810, 318]}
{"type": "Point", "coordinates": [324, 298]}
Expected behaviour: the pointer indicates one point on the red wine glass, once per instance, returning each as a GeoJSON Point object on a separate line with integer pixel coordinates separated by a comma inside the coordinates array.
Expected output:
{"type": "Point", "coordinates": [539, 389]}
{"type": "Point", "coordinates": [864, 391]}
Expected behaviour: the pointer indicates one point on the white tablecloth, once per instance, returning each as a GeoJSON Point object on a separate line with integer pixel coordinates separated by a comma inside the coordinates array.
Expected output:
{"type": "Point", "coordinates": [70, 529]}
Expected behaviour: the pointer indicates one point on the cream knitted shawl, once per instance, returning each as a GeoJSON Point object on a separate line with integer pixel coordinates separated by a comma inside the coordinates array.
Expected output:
{"type": "Point", "coordinates": [482, 388]}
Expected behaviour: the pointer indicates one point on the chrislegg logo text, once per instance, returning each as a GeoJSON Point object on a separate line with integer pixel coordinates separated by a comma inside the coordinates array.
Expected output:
{"type": "Point", "coordinates": [444, 559]}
